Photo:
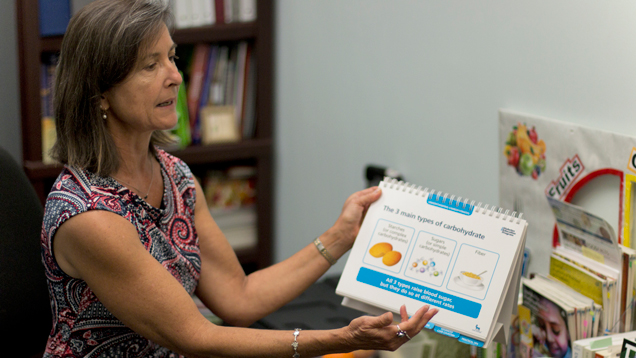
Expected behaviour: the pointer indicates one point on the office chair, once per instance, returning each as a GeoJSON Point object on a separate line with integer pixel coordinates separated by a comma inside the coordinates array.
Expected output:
{"type": "Point", "coordinates": [25, 313]}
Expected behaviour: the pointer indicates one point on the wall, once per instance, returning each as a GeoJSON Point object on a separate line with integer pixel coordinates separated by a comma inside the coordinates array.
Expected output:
{"type": "Point", "coordinates": [10, 132]}
{"type": "Point", "coordinates": [416, 85]}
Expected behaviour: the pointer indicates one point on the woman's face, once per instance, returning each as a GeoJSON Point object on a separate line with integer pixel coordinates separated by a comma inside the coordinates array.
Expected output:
{"type": "Point", "coordinates": [553, 329]}
{"type": "Point", "coordinates": [146, 100]}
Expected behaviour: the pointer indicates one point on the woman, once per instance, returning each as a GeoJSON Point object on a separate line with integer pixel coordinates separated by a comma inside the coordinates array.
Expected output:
{"type": "Point", "coordinates": [127, 237]}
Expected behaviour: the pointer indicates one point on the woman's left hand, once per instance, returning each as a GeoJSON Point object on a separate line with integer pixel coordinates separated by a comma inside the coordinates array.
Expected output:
{"type": "Point", "coordinates": [344, 231]}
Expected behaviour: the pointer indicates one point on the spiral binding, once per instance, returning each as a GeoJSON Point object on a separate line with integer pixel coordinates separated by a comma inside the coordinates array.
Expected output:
{"type": "Point", "coordinates": [393, 183]}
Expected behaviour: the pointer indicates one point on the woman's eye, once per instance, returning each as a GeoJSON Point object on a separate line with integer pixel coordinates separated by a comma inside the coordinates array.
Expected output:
{"type": "Point", "coordinates": [151, 66]}
{"type": "Point", "coordinates": [173, 58]}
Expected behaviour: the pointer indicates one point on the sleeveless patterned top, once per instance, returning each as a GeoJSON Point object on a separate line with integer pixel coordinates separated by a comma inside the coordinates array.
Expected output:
{"type": "Point", "coordinates": [82, 326]}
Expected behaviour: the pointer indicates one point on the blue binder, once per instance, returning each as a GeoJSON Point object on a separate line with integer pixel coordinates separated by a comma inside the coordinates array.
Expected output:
{"type": "Point", "coordinates": [54, 17]}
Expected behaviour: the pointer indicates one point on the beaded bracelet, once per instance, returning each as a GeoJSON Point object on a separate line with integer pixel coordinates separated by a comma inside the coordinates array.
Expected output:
{"type": "Point", "coordinates": [323, 251]}
{"type": "Point", "coordinates": [295, 343]}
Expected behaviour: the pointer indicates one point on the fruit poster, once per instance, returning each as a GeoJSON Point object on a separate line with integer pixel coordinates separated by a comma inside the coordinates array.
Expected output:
{"type": "Point", "coordinates": [542, 157]}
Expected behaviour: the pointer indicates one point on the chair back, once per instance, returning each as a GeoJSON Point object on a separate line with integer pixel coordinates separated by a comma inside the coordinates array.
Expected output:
{"type": "Point", "coordinates": [25, 312]}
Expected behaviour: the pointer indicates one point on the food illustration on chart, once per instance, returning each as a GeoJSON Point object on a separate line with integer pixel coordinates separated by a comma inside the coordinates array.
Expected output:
{"type": "Point", "coordinates": [430, 258]}
{"type": "Point", "coordinates": [472, 271]}
{"type": "Point", "coordinates": [386, 252]}
{"type": "Point", "coordinates": [425, 266]}
{"type": "Point", "coordinates": [470, 280]}
{"type": "Point", "coordinates": [388, 244]}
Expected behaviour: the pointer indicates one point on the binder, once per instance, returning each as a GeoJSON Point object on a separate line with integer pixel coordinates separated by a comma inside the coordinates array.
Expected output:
{"type": "Point", "coordinates": [183, 12]}
{"type": "Point", "coordinates": [54, 16]}
{"type": "Point", "coordinates": [418, 246]}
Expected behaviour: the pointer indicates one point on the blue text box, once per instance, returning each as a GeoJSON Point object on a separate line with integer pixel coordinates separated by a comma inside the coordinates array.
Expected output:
{"type": "Point", "coordinates": [450, 204]}
{"type": "Point", "coordinates": [421, 293]}
{"type": "Point", "coordinates": [470, 341]}
{"type": "Point", "coordinates": [446, 332]}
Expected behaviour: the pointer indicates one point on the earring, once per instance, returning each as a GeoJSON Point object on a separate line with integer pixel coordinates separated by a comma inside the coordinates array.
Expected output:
{"type": "Point", "coordinates": [104, 116]}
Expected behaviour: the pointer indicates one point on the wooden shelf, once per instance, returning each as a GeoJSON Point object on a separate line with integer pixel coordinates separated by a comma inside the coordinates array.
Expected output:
{"type": "Point", "coordinates": [216, 33]}
{"type": "Point", "coordinates": [37, 170]}
{"type": "Point", "coordinates": [248, 254]}
{"type": "Point", "coordinates": [217, 153]}
{"type": "Point", "coordinates": [213, 33]}
{"type": "Point", "coordinates": [51, 44]}
{"type": "Point", "coordinates": [194, 155]}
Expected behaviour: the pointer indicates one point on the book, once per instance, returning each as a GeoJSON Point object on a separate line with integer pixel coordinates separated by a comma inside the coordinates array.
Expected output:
{"type": "Point", "coordinates": [587, 312]}
{"type": "Point", "coordinates": [628, 349]}
{"type": "Point", "coordinates": [231, 198]}
{"type": "Point", "coordinates": [590, 243]}
{"type": "Point", "coordinates": [526, 340]}
{"type": "Point", "coordinates": [246, 10]}
{"type": "Point", "coordinates": [238, 226]}
{"type": "Point", "coordinates": [583, 282]}
{"type": "Point", "coordinates": [47, 91]}
{"type": "Point", "coordinates": [195, 86]}
{"type": "Point", "coordinates": [230, 189]}
{"type": "Point", "coordinates": [230, 9]}
{"type": "Point", "coordinates": [627, 300]}
{"type": "Point", "coordinates": [204, 97]}
{"type": "Point", "coordinates": [237, 10]}
{"type": "Point", "coordinates": [54, 16]}
{"type": "Point", "coordinates": [183, 13]}
{"type": "Point", "coordinates": [611, 352]}
{"type": "Point", "coordinates": [203, 13]}
{"type": "Point", "coordinates": [239, 88]}
{"type": "Point", "coordinates": [217, 92]}
{"type": "Point", "coordinates": [587, 348]}
{"type": "Point", "coordinates": [209, 12]}
{"type": "Point", "coordinates": [550, 322]}
{"type": "Point", "coordinates": [249, 102]}
{"type": "Point", "coordinates": [418, 246]}
{"type": "Point", "coordinates": [219, 11]}
{"type": "Point", "coordinates": [230, 80]}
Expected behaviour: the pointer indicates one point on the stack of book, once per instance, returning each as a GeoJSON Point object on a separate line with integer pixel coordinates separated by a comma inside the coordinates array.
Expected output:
{"type": "Point", "coordinates": [591, 261]}
{"type": "Point", "coordinates": [221, 92]}
{"type": "Point", "coordinates": [193, 13]}
{"type": "Point", "coordinates": [553, 315]}
{"type": "Point", "coordinates": [231, 198]}
{"type": "Point", "coordinates": [603, 347]}
{"type": "Point", "coordinates": [589, 291]}
{"type": "Point", "coordinates": [56, 14]}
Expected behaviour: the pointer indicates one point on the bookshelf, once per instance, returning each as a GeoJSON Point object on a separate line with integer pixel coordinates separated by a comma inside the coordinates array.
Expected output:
{"type": "Point", "coordinates": [256, 151]}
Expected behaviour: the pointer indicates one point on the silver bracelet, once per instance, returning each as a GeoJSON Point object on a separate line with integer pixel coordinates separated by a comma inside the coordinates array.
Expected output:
{"type": "Point", "coordinates": [323, 251]}
{"type": "Point", "coordinates": [295, 343]}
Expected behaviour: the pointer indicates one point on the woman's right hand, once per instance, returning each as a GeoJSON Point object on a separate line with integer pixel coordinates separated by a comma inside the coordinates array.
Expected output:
{"type": "Point", "coordinates": [380, 333]}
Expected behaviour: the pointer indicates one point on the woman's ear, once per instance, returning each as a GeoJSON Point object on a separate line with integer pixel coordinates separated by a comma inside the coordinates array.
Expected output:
{"type": "Point", "coordinates": [103, 102]}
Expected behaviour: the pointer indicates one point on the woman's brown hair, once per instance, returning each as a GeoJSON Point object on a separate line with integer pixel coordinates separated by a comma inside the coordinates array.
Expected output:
{"type": "Point", "coordinates": [100, 49]}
